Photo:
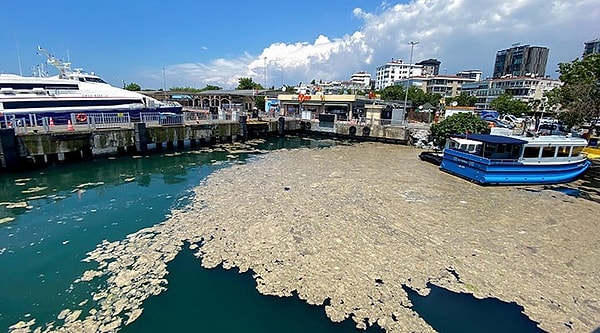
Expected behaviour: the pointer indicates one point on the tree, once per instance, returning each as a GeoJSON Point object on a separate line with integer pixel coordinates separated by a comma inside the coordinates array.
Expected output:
{"type": "Point", "coordinates": [579, 95]}
{"type": "Point", "coordinates": [246, 83]}
{"type": "Point", "coordinates": [195, 90]}
{"type": "Point", "coordinates": [463, 99]}
{"type": "Point", "coordinates": [133, 87]}
{"type": "Point", "coordinates": [505, 104]}
{"type": "Point", "coordinates": [460, 123]}
{"type": "Point", "coordinates": [392, 93]}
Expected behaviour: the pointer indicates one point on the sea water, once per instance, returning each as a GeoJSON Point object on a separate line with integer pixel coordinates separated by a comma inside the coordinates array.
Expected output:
{"type": "Point", "coordinates": [53, 217]}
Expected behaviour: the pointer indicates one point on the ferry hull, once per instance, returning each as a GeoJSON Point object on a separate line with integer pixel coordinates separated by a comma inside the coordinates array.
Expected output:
{"type": "Point", "coordinates": [487, 172]}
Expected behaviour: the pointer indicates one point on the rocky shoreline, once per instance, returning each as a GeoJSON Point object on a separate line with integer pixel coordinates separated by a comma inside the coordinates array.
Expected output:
{"type": "Point", "coordinates": [349, 226]}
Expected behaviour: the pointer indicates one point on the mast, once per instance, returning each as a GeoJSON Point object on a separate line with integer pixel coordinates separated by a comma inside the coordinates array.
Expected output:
{"type": "Point", "coordinates": [64, 68]}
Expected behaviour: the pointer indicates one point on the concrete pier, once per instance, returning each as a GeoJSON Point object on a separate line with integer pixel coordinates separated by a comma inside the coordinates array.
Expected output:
{"type": "Point", "coordinates": [32, 148]}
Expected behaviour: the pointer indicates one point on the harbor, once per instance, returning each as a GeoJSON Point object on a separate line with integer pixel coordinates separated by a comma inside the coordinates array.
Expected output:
{"type": "Point", "coordinates": [326, 228]}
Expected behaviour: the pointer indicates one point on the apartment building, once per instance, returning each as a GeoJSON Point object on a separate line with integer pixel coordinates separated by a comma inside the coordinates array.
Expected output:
{"type": "Point", "coordinates": [393, 71]}
{"type": "Point", "coordinates": [523, 88]}
{"type": "Point", "coordinates": [521, 60]}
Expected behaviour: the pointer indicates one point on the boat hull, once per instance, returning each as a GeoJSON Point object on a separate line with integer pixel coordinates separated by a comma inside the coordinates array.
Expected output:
{"type": "Point", "coordinates": [510, 172]}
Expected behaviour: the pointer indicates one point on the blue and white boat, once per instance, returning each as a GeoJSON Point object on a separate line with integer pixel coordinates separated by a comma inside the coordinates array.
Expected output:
{"type": "Point", "coordinates": [71, 91]}
{"type": "Point", "coordinates": [498, 159]}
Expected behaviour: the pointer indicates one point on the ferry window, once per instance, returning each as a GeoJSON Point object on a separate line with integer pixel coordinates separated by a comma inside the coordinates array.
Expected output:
{"type": "Point", "coordinates": [471, 148]}
{"type": "Point", "coordinates": [531, 152]}
{"type": "Point", "coordinates": [548, 151]}
{"type": "Point", "coordinates": [563, 151]}
{"type": "Point", "coordinates": [576, 151]}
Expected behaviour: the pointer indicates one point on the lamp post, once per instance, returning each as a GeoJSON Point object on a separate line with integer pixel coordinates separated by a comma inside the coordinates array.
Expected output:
{"type": "Point", "coordinates": [265, 73]}
{"type": "Point", "coordinates": [412, 45]}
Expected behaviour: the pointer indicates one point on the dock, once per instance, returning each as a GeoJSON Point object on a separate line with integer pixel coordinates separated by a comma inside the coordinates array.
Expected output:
{"type": "Point", "coordinates": [23, 147]}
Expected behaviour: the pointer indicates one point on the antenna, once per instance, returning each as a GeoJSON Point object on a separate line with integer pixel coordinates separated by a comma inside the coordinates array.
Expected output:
{"type": "Point", "coordinates": [19, 57]}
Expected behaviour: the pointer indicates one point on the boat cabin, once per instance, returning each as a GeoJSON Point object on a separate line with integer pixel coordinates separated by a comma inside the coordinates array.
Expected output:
{"type": "Point", "coordinates": [533, 149]}
{"type": "Point", "coordinates": [493, 147]}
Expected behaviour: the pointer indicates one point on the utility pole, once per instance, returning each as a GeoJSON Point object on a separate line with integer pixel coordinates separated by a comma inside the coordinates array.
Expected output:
{"type": "Point", "coordinates": [412, 45]}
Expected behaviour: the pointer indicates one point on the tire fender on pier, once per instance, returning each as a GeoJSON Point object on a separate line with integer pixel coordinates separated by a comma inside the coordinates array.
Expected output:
{"type": "Point", "coordinates": [366, 131]}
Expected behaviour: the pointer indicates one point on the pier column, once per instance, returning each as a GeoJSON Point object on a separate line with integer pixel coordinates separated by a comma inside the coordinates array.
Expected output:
{"type": "Point", "coordinates": [141, 138]}
{"type": "Point", "coordinates": [244, 127]}
{"type": "Point", "coordinates": [281, 127]}
{"type": "Point", "coordinates": [8, 142]}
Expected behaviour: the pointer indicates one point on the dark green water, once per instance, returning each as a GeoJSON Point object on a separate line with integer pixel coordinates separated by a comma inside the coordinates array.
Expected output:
{"type": "Point", "coordinates": [218, 300]}
{"type": "Point", "coordinates": [72, 208]}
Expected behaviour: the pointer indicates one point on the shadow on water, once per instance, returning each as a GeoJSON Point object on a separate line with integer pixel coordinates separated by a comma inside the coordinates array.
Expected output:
{"type": "Point", "coordinates": [447, 312]}
{"type": "Point", "coordinates": [219, 300]}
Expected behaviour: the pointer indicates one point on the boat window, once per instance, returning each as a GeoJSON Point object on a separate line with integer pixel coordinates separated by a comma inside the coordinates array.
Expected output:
{"type": "Point", "coordinates": [576, 151]}
{"type": "Point", "coordinates": [548, 151]}
{"type": "Point", "coordinates": [95, 79]}
{"type": "Point", "coordinates": [563, 151]}
{"type": "Point", "coordinates": [531, 152]}
{"type": "Point", "coordinates": [516, 151]}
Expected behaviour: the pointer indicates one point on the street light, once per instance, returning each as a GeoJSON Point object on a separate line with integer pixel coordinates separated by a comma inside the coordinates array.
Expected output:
{"type": "Point", "coordinates": [412, 45]}
{"type": "Point", "coordinates": [265, 73]}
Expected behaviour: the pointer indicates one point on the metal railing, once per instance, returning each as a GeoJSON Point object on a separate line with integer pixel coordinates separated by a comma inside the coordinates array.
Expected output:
{"type": "Point", "coordinates": [161, 118]}
{"type": "Point", "coordinates": [102, 120]}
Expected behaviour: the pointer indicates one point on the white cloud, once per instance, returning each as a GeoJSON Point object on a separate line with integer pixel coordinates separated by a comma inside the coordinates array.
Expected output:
{"type": "Point", "coordinates": [462, 34]}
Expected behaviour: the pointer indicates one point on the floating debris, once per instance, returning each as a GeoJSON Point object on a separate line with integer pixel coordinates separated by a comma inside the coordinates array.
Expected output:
{"type": "Point", "coordinates": [11, 205]}
{"type": "Point", "coordinates": [35, 189]}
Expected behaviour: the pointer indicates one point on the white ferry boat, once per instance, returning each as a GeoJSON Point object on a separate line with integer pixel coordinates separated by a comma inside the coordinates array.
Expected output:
{"type": "Point", "coordinates": [71, 91]}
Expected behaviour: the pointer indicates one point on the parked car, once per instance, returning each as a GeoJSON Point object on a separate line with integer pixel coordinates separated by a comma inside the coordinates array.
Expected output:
{"type": "Point", "coordinates": [552, 129]}
{"type": "Point", "coordinates": [499, 123]}
{"type": "Point", "coordinates": [509, 118]}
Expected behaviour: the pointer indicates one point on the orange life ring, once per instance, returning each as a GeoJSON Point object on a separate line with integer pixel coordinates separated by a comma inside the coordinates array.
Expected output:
{"type": "Point", "coordinates": [81, 117]}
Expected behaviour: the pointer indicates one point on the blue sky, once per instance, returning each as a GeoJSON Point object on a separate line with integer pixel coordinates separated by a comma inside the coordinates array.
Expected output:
{"type": "Point", "coordinates": [197, 43]}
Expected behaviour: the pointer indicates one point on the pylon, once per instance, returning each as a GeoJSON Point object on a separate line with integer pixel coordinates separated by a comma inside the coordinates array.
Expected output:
{"type": "Point", "coordinates": [51, 122]}
{"type": "Point", "coordinates": [70, 127]}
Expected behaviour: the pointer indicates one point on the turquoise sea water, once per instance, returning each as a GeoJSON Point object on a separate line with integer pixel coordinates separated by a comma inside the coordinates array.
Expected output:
{"type": "Point", "coordinates": [63, 212]}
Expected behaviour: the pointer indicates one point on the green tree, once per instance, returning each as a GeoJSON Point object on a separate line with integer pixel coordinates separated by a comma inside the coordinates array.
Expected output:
{"type": "Point", "coordinates": [133, 87]}
{"type": "Point", "coordinates": [460, 123]}
{"type": "Point", "coordinates": [211, 87]}
{"type": "Point", "coordinates": [392, 93]}
{"type": "Point", "coordinates": [463, 99]}
{"type": "Point", "coordinates": [505, 104]}
{"type": "Point", "coordinates": [246, 83]}
{"type": "Point", "coordinates": [579, 96]}
{"type": "Point", "coordinates": [195, 90]}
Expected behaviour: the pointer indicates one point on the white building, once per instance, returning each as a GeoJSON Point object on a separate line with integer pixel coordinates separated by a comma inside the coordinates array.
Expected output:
{"type": "Point", "coordinates": [523, 88]}
{"type": "Point", "coordinates": [361, 79]}
{"type": "Point", "coordinates": [446, 85]}
{"type": "Point", "coordinates": [393, 71]}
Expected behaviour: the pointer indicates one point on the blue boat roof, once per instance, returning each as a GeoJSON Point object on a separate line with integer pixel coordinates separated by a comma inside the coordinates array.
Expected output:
{"type": "Point", "coordinates": [493, 139]}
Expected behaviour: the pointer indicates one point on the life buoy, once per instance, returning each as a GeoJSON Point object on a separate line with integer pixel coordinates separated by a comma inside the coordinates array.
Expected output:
{"type": "Point", "coordinates": [81, 117]}
{"type": "Point", "coordinates": [308, 125]}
